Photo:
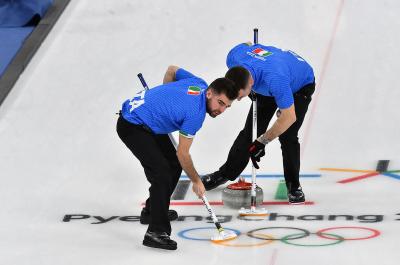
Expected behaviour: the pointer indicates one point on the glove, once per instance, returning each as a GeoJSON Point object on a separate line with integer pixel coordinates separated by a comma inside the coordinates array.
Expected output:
{"type": "Point", "coordinates": [256, 151]}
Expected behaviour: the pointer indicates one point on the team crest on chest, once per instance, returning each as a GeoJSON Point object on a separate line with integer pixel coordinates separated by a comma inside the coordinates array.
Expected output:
{"type": "Point", "coordinates": [259, 53]}
{"type": "Point", "coordinates": [194, 90]}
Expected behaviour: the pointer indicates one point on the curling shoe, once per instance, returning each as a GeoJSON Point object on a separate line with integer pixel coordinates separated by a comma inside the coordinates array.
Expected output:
{"type": "Point", "coordinates": [159, 240]}
{"type": "Point", "coordinates": [296, 196]}
{"type": "Point", "coordinates": [213, 180]}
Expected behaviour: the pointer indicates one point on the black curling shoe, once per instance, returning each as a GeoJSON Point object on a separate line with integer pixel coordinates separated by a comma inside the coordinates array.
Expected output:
{"type": "Point", "coordinates": [145, 216]}
{"type": "Point", "coordinates": [213, 180]}
{"type": "Point", "coordinates": [159, 240]}
{"type": "Point", "coordinates": [296, 196]}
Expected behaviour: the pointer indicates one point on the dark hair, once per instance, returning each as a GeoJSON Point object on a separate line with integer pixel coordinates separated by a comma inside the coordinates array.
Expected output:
{"type": "Point", "coordinates": [225, 86]}
{"type": "Point", "coordinates": [239, 75]}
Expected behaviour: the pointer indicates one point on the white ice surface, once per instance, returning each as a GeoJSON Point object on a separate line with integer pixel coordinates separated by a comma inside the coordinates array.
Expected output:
{"type": "Point", "coordinates": [60, 155]}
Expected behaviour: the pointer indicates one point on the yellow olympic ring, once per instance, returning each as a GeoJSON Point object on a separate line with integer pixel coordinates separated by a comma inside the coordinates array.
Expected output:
{"type": "Point", "coordinates": [267, 240]}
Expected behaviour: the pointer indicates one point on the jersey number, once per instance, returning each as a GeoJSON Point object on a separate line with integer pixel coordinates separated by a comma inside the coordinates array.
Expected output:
{"type": "Point", "coordinates": [137, 100]}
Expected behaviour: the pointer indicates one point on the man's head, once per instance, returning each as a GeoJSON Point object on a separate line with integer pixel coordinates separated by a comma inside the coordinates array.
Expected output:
{"type": "Point", "coordinates": [242, 78]}
{"type": "Point", "coordinates": [220, 95]}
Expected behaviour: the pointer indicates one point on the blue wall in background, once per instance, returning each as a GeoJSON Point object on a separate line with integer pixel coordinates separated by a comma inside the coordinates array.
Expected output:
{"type": "Point", "coordinates": [17, 20]}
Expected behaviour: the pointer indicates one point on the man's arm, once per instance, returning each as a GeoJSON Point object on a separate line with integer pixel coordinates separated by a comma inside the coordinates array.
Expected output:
{"type": "Point", "coordinates": [284, 121]}
{"type": "Point", "coordinates": [187, 164]}
{"type": "Point", "coordinates": [170, 74]}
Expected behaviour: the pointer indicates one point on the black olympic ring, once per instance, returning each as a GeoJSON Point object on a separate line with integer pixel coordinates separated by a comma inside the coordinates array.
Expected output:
{"type": "Point", "coordinates": [305, 233]}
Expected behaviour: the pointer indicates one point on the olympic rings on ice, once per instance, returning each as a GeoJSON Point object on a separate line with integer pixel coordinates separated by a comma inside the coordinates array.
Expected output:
{"type": "Point", "coordinates": [267, 235]}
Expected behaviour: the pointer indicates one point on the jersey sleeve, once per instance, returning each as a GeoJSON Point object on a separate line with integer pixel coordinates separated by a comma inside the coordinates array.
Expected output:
{"type": "Point", "coordinates": [191, 126]}
{"type": "Point", "coordinates": [183, 74]}
{"type": "Point", "coordinates": [231, 58]}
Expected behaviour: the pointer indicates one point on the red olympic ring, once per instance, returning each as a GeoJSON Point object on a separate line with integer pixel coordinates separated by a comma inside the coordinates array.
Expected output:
{"type": "Point", "coordinates": [375, 233]}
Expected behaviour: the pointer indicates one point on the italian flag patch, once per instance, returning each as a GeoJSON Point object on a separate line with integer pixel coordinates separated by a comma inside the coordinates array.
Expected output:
{"type": "Point", "coordinates": [261, 52]}
{"type": "Point", "coordinates": [194, 90]}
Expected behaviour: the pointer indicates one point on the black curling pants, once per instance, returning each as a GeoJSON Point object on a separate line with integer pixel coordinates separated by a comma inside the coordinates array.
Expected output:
{"type": "Point", "coordinates": [161, 166]}
{"type": "Point", "coordinates": [238, 156]}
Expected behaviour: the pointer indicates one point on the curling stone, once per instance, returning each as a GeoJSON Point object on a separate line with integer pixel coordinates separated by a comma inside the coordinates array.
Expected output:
{"type": "Point", "coordinates": [238, 195]}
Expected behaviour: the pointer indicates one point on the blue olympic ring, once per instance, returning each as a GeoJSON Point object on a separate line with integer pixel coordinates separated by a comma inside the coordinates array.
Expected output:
{"type": "Point", "coordinates": [183, 232]}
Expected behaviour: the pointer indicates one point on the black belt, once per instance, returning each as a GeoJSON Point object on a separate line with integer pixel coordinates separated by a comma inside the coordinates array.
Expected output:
{"type": "Point", "coordinates": [146, 128]}
{"type": "Point", "coordinates": [143, 126]}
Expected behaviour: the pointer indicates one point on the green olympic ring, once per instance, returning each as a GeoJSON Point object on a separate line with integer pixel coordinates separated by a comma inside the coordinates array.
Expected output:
{"type": "Point", "coordinates": [285, 240]}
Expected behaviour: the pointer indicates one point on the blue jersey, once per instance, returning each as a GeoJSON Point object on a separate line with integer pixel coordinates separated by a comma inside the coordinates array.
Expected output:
{"type": "Point", "coordinates": [277, 73]}
{"type": "Point", "coordinates": [174, 106]}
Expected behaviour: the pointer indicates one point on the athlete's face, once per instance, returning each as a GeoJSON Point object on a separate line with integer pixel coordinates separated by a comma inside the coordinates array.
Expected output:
{"type": "Point", "coordinates": [216, 104]}
{"type": "Point", "coordinates": [244, 92]}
